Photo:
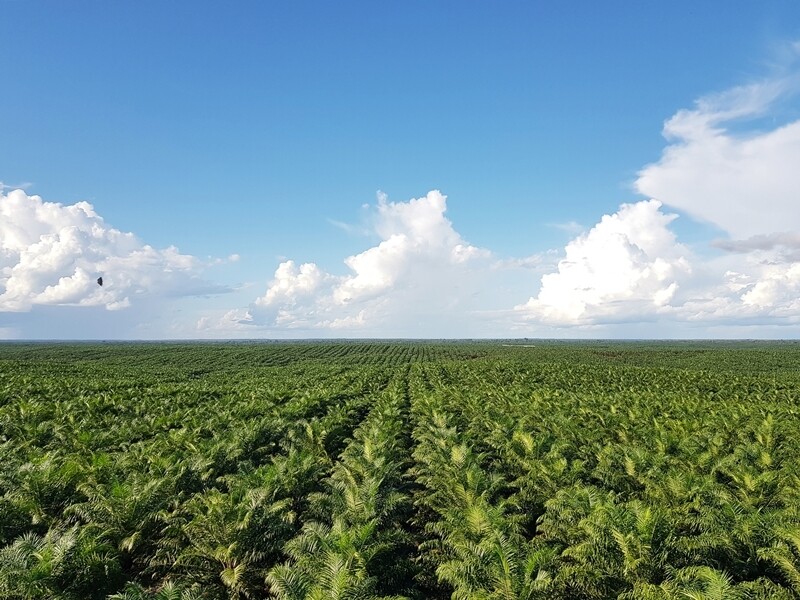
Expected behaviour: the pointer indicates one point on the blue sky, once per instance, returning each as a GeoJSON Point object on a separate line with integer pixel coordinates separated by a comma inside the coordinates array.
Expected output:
{"type": "Point", "coordinates": [252, 134]}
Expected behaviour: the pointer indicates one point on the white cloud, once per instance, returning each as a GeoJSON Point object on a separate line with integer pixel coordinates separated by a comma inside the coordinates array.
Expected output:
{"type": "Point", "coordinates": [744, 183]}
{"type": "Point", "coordinates": [414, 234]}
{"type": "Point", "coordinates": [630, 267]}
{"type": "Point", "coordinates": [291, 284]}
{"type": "Point", "coordinates": [52, 255]}
{"type": "Point", "coordinates": [420, 269]}
{"type": "Point", "coordinates": [743, 289]}
{"type": "Point", "coordinates": [570, 227]}
{"type": "Point", "coordinates": [628, 264]}
{"type": "Point", "coordinates": [779, 286]}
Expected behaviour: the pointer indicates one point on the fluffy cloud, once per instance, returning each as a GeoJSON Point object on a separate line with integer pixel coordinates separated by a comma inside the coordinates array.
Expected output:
{"type": "Point", "coordinates": [420, 268]}
{"type": "Point", "coordinates": [52, 255]}
{"type": "Point", "coordinates": [629, 263]}
{"type": "Point", "coordinates": [291, 284]}
{"type": "Point", "coordinates": [630, 268]}
{"type": "Point", "coordinates": [744, 183]}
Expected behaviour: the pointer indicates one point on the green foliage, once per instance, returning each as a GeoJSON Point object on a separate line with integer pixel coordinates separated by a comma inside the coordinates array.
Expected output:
{"type": "Point", "coordinates": [378, 470]}
{"type": "Point", "coordinates": [65, 564]}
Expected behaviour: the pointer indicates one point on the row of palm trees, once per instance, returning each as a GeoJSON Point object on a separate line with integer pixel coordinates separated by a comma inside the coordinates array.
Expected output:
{"type": "Point", "coordinates": [356, 544]}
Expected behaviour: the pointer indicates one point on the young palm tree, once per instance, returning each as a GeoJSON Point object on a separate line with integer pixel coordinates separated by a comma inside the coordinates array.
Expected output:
{"type": "Point", "coordinates": [68, 564]}
{"type": "Point", "coordinates": [478, 543]}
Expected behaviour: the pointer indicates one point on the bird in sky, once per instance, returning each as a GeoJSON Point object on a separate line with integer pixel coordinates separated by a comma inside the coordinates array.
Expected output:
{"type": "Point", "coordinates": [100, 281]}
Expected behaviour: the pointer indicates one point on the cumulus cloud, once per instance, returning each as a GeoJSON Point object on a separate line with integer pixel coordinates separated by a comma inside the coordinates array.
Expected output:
{"type": "Point", "coordinates": [291, 283]}
{"type": "Point", "coordinates": [52, 255]}
{"type": "Point", "coordinates": [630, 267]}
{"type": "Point", "coordinates": [629, 263]}
{"type": "Point", "coordinates": [419, 269]}
{"type": "Point", "coordinates": [423, 279]}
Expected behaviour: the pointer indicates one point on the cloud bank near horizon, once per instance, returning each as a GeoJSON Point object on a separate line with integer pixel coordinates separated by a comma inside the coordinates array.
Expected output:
{"type": "Point", "coordinates": [629, 268]}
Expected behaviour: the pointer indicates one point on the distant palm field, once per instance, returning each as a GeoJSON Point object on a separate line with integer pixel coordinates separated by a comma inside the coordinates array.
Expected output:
{"type": "Point", "coordinates": [359, 470]}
